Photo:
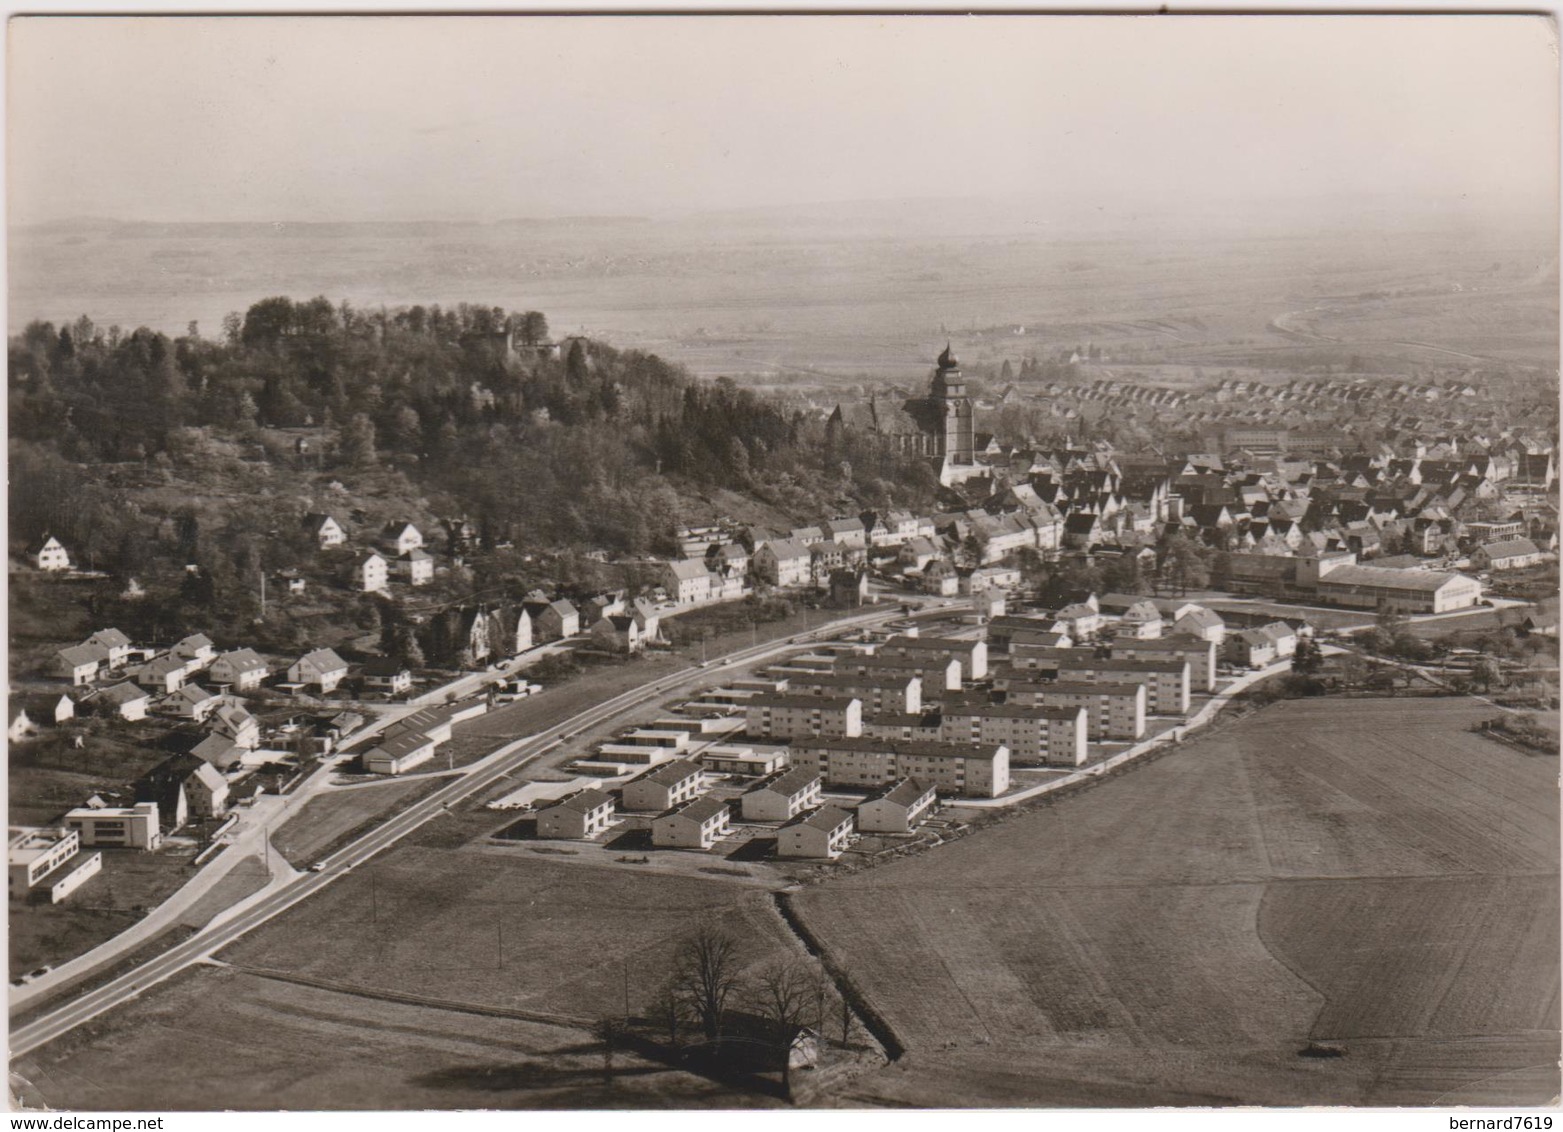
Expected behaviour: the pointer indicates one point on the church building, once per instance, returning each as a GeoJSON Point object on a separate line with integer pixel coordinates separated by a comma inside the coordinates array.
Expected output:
{"type": "Point", "coordinates": [939, 425]}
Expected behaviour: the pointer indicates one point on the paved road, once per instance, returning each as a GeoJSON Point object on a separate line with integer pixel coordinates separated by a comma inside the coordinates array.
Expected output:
{"type": "Point", "coordinates": [223, 931]}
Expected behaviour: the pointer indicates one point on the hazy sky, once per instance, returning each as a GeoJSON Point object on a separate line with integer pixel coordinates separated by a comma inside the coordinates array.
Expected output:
{"type": "Point", "coordinates": [493, 117]}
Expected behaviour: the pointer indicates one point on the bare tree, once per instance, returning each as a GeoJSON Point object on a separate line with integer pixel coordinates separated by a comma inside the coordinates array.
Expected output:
{"type": "Point", "coordinates": [706, 972]}
{"type": "Point", "coordinates": [785, 993]}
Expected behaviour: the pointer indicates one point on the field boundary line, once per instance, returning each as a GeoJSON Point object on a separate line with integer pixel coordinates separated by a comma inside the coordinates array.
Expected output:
{"type": "Point", "coordinates": [405, 998]}
{"type": "Point", "coordinates": [880, 1027]}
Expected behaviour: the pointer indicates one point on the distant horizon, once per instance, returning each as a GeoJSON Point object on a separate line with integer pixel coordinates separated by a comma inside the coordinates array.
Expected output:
{"type": "Point", "coordinates": [311, 119]}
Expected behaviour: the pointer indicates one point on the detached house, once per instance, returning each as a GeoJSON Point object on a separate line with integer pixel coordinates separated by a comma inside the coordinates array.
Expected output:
{"type": "Point", "coordinates": [372, 575]}
{"type": "Point", "coordinates": [784, 562]}
{"type": "Point", "coordinates": [50, 555]}
{"type": "Point", "coordinates": [241, 669]}
{"type": "Point", "coordinates": [325, 530]}
{"type": "Point", "coordinates": [126, 701]}
{"type": "Point", "coordinates": [233, 722]}
{"type": "Point", "coordinates": [321, 669]}
{"type": "Point", "coordinates": [687, 581]}
{"type": "Point", "coordinates": [618, 632]}
{"type": "Point", "coordinates": [166, 674]}
{"type": "Point", "coordinates": [416, 567]}
{"type": "Point", "coordinates": [115, 642]}
{"type": "Point", "coordinates": [80, 663]}
{"type": "Point", "coordinates": [401, 538]}
{"type": "Point", "coordinates": [387, 675]}
{"type": "Point", "coordinates": [553, 620]}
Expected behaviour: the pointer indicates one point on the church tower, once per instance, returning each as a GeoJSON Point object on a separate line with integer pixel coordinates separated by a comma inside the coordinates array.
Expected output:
{"type": "Point", "coordinates": [948, 392]}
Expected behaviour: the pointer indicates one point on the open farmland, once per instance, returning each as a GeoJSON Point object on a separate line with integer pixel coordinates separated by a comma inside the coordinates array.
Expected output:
{"type": "Point", "coordinates": [328, 819]}
{"type": "Point", "coordinates": [1344, 871]}
{"type": "Point", "coordinates": [278, 1045]}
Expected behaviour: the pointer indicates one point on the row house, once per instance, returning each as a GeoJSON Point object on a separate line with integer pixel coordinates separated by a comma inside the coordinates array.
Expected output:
{"type": "Point", "coordinates": [821, 835]}
{"type": "Point", "coordinates": [576, 816]}
{"type": "Point", "coordinates": [663, 787]}
{"type": "Point", "coordinates": [698, 823]}
{"type": "Point", "coordinates": [782, 796]}
{"type": "Point", "coordinates": [896, 808]}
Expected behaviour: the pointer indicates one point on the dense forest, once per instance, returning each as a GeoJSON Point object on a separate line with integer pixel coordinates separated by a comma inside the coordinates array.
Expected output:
{"type": "Point", "coordinates": [592, 447]}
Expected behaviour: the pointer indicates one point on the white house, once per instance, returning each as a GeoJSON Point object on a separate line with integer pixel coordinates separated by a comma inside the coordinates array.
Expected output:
{"type": "Point", "coordinates": [373, 574]}
{"type": "Point", "coordinates": [325, 529]}
{"type": "Point", "coordinates": [401, 537]}
{"type": "Point", "coordinates": [783, 796]}
{"type": "Point", "coordinates": [687, 580]}
{"type": "Point", "coordinates": [896, 808]}
{"type": "Point", "coordinates": [582, 814]}
{"type": "Point", "coordinates": [696, 824]}
{"type": "Point", "coordinates": [50, 555]}
{"type": "Point", "coordinates": [822, 834]}
{"type": "Point", "coordinates": [321, 669]}
{"type": "Point", "coordinates": [241, 669]}
{"type": "Point", "coordinates": [416, 567]}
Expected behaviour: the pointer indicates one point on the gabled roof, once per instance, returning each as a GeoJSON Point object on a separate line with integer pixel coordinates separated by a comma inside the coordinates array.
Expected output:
{"type": "Point", "coordinates": [218, 750]}
{"type": "Point", "coordinates": [108, 638]}
{"type": "Point", "coordinates": [581, 802]}
{"type": "Point", "coordinates": [242, 660]}
{"type": "Point", "coordinates": [324, 659]}
{"type": "Point", "coordinates": [827, 818]}
{"type": "Point", "coordinates": [687, 569]}
{"type": "Point", "coordinates": [670, 774]}
{"type": "Point", "coordinates": [1510, 548]}
{"type": "Point", "coordinates": [78, 655]}
{"type": "Point", "coordinates": [122, 694]}
{"type": "Point", "coordinates": [787, 783]}
{"type": "Point", "coordinates": [905, 792]}
{"type": "Point", "coordinates": [700, 809]}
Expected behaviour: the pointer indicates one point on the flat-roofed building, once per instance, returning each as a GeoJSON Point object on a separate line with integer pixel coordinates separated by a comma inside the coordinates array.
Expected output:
{"type": "Point", "coordinates": [1114, 711]}
{"type": "Point", "coordinates": [769, 716]}
{"type": "Point", "coordinates": [955, 768]}
{"type": "Point", "coordinates": [724, 759]}
{"type": "Point", "coordinates": [880, 694]}
{"type": "Point", "coordinates": [896, 808]}
{"type": "Point", "coordinates": [1200, 655]}
{"type": "Point", "coordinates": [973, 655]}
{"type": "Point", "coordinates": [134, 827]}
{"type": "Point", "coordinates": [820, 835]}
{"type": "Point", "coordinates": [696, 824]}
{"type": "Point", "coordinates": [782, 796]}
{"type": "Point", "coordinates": [663, 787]}
{"type": "Point", "coordinates": [576, 816]}
{"type": "Point", "coordinates": [1034, 735]}
{"type": "Point", "coordinates": [34, 852]}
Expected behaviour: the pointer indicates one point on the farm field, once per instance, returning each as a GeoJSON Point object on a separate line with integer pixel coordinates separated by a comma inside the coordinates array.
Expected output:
{"type": "Point", "coordinates": [329, 818]}
{"type": "Point", "coordinates": [1344, 871]}
{"type": "Point", "coordinates": [556, 944]}
{"type": "Point", "coordinates": [278, 1045]}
